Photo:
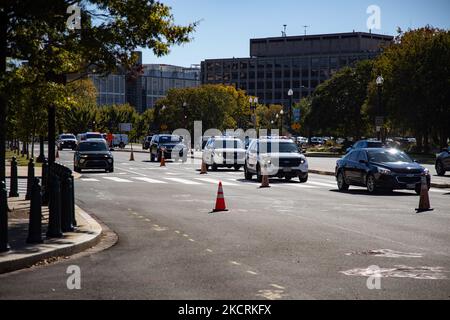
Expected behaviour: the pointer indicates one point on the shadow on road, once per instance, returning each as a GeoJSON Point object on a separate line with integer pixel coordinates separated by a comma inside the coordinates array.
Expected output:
{"type": "Point", "coordinates": [380, 193]}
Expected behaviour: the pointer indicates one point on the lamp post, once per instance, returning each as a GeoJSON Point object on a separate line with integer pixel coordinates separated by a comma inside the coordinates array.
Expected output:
{"type": "Point", "coordinates": [185, 114]}
{"type": "Point", "coordinates": [291, 95]}
{"type": "Point", "coordinates": [379, 121]}
{"type": "Point", "coordinates": [253, 103]}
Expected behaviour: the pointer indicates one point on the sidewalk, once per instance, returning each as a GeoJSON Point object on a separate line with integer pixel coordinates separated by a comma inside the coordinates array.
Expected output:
{"type": "Point", "coordinates": [23, 255]}
{"type": "Point", "coordinates": [22, 172]}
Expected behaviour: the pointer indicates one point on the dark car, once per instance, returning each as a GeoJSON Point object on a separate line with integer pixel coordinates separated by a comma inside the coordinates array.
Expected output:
{"type": "Point", "coordinates": [66, 141]}
{"type": "Point", "coordinates": [366, 144]}
{"type": "Point", "coordinates": [443, 162]}
{"type": "Point", "coordinates": [146, 142]}
{"type": "Point", "coordinates": [172, 146]}
{"type": "Point", "coordinates": [380, 169]}
{"type": "Point", "coordinates": [93, 154]}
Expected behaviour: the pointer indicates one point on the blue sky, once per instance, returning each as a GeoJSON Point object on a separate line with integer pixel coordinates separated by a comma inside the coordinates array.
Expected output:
{"type": "Point", "coordinates": [227, 25]}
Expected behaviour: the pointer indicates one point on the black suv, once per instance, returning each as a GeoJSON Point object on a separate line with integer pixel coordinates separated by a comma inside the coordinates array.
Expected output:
{"type": "Point", "coordinates": [443, 162]}
{"type": "Point", "coordinates": [380, 169]}
{"type": "Point", "coordinates": [66, 141]}
{"type": "Point", "coordinates": [146, 142]}
{"type": "Point", "coordinates": [172, 145]}
{"type": "Point", "coordinates": [93, 154]}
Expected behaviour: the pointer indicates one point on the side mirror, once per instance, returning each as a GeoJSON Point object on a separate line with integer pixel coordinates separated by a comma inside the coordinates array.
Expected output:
{"type": "Point", "coordinates": [363, 161]}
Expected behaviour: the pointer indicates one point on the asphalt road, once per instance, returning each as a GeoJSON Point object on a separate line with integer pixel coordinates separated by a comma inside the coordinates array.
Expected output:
{"type": "Point", "coordinates": [292, 241]}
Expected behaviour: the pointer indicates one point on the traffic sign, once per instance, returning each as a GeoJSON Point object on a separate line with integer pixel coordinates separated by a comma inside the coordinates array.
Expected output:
{"type": "Point", "coordinates": [379, 121]}
{"type": "Point", "coordinates": [125, 127]}
{"type": "Point", "coordinates": [297, 115]}
{"type": "Point", "coordinates": [296, 126]}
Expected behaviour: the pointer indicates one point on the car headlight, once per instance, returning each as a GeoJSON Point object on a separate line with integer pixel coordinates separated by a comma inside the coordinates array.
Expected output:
{"type": "Point", "coordinates": [384, 171]}
{"type": "Point", "coordinates": [426, 172]}
{"type": "Point", "coordinates": [82, 160]}
{"type": "Point", "coordinates": [302, 161]}
{"type": "Point", "coordinates": [219, 154]}
{"type": "Point", "coordinates": [84, 156]}
{"type": "Point", "coordinates": [110, 160]}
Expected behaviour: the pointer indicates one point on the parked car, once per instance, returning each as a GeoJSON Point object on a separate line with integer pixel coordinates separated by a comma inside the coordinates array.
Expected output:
{"type": "Point", "coordinates": [66, 141]}
{"type": "Point", "coordinates": [380, 169]}
{"type": "Point", "coordinates": [222, 152]}
{"type": "Point", "coordinates": [173, 146]}
{"type": "Point", "coordinates": [365, 144]}
{"type": "Point", "coordinates": [202, 142]}
{"type": "Point", "coordinates": [280, 155]}
{"type": "Point", "coordinates": [443, 162]}
{"type": "Point", "coordinates": [89, 136]}
{"type": "Point", "coordinates": [316, 141]}
{"type": "Point", "coordinates": [120, 140]}
{"type": "Point", "coordinates": [146, 142]}
{"type": "Point", "coordinates": [302, 140]}
{"type": "Point", "coordinates": [93, 154]}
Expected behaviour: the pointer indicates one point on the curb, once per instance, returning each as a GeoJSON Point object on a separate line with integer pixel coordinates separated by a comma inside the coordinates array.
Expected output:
{"type": "Point", "coordinates": [29, 261]}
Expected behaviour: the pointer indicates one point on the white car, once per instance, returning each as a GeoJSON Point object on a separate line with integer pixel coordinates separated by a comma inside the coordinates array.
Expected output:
{"type": "Point", "coordinates": [223, 152]}
{"type": "Point", "coordinates": [280, 158]}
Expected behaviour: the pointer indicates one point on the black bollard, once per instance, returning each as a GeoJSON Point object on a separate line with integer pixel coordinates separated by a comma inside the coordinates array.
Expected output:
{"type": "Point", "coordinates": [72, 195]}
{"type": "Point", "coordinates": [35, 225]}
{"type": "Point", "coordinates": [54, 206]}
{"type": "Point", "coordinates": [41, 157]}
{"type": "Point", "coordinates": [66, 199]}
{"type": "Point", "coordinates": [13, 190]}
{"type": "Point", "coordinates": [30, 178]}
{"type": "Point", "coordinates": [4, 246]}
{"type": "Point", "coordinates": [45, 183]}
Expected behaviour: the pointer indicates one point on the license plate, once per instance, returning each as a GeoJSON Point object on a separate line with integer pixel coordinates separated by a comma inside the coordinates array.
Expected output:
{"type": "Point", "coordinates": [287, 169]}
{"type": "Point", "coordinates": [410, 186]}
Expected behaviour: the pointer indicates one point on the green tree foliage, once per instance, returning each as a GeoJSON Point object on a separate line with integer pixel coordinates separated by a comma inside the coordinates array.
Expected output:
{"type": "Point", "coordinates": [336, 104]}
{"type": "Point", "coordinates": [416, 94]}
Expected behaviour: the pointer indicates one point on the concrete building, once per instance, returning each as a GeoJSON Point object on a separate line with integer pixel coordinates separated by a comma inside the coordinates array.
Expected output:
{"type": "Point", "coordinates": [143, 91]}
{"type": "Point", "coordinates": [299, 63]}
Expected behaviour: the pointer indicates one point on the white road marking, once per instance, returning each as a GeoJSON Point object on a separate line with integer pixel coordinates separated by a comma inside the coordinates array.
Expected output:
{"type": "Point", "coordinates": [149, 180]}
{"type": "Point", "coordinates": [115, 179]}
{"type": "Point", "coordinates": [235, 263]}
{"type": "Point", "coordinates": [183, 181]}
{"type": "Point", "coordinates": [277, 286]}
{"type": "Point", "coordinates": [252, 272]}
{"type": "Point", "coordinates": [322, 184]}
{"type": "Point", "coordinates": [89, 180]}
{"type": "Point", "coordinates": [303, 186]}
{"type": "Point", "coordinates": [209, 250]}
{"type": "Point", "coordinates": [214, 181]}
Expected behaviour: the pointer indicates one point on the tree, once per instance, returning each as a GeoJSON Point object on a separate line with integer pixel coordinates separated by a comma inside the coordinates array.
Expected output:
{"type": "Point", "coordinates": [416, 97]}
{"type": "Point", "coordinates": [336, 104]}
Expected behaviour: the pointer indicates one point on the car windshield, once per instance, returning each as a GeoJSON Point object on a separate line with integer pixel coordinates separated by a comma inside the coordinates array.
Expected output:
{"type": "Point", "coordinates": [228, 144]}
{"type": "Point", "coordinates": [94, 136]}
{"type": "Point", "coordinates": [388, 156]}
{"type": "Point", "coordinates": [92, 146]}
{"type": "Point", "coordinates": [281, 147]}
{"type": "Point", "coordinates": [67, 137]}
{"type": "Point", "coordinates": [169, 139]}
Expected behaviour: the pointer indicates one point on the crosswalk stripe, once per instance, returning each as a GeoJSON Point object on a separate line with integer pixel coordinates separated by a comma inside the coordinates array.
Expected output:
{"type": "Point", "coordinates": [89, 180]}
{"type": "Point", "coordinates": [303, 186]}
{"type": "Point", "coordinates": [149, 180]}
{"type": "Point", "coordinates": [115, 179]}
{"type": "Point", "coordinates": [322, 184]}
{"type": "Point", "coordinates": [183, 181]}
{"type": "Point", "coordinates": [213, 181]}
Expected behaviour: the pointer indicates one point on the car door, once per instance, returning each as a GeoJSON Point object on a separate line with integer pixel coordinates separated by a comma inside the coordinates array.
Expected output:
{"type": "Point", "coordinates": [350, 167]}
{"type": "Point", "coordinates": [360, 168]}
{"type": "Point", "coordinates": [252, 156]}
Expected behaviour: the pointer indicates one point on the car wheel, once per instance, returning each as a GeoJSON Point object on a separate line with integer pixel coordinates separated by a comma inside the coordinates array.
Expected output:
{"type": "Point", "coordinates": [247, 174]}
{"type": "Point", "coordinates": [214, 167]}
{"type": "Point", "coordinates": [440, 169]}
{"type": "Point", "coordinates": [121, 145]}
{"type": "Point", "coordinates": [303, 179]}
{"type": "Point", "coordinates": [237, 168]}
{"type": "Point", "coordinates": [370, 184]}
{"type": "Point", "coordinates": [111, 169]}
{"type": "Point", "coordinates": [342, 185]}
{"type": "Point", "coordinates": [258, 173]}
{"type": "Point", "coordinates": [288, 178]}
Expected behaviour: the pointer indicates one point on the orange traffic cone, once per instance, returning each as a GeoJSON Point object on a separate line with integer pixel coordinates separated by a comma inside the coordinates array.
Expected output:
{"type": "Point", "coordinates": [163, 160]}
{"type": "Point", "coordinates": [57, 154]}
{"type": "Point", "coordinates": [424, 202]}
{"type": "Point", "coordinates": [220, 201]}
{"type": "Point", "coordinates": [131, 156]}
{"type": "Point", "coordinates": [265, 179]}
{"type": "Point", "coordinates": [204, 170]}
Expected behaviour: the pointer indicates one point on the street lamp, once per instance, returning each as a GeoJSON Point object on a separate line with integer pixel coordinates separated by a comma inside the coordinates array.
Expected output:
{"type": "Point", "coordinates": [185, 114]}
{"type": "Point", "coordinates": [253, 103]}
{"type": "Point", "coordinates": [379, 121]}
{"type": "Point", "coordinates": [291, 95]}
{"type": "Point", "coordinates": [281, 122]}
